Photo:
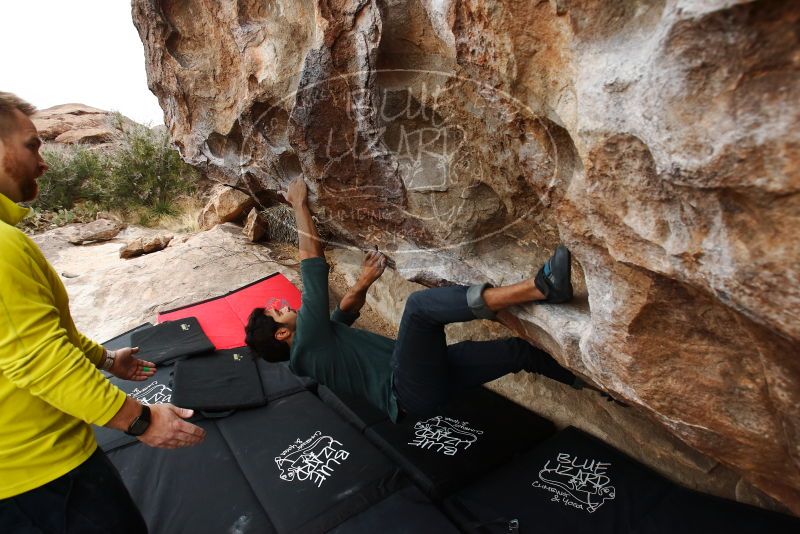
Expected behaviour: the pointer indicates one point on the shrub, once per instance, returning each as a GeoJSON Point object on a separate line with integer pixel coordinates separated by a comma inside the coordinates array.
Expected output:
{"type": "Point", "coordinates": [146, 171]}
{"type": "Point", "coordinates": [73, 176]}
{"type": "Point", "coordinates": [41, 220]}
{"type": "Point", "coordinates": [141, 173]}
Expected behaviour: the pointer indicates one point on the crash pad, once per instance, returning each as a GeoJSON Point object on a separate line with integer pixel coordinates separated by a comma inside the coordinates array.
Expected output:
{"type": "Point", "coordinates": [223, 318]}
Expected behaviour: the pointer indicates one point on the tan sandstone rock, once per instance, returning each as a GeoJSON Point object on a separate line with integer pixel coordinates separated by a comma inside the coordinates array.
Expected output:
{"type": "Point", "coordinates": [98, 230]}
{"type": "Point", "coordinates": [225, 205]}
{"type": "Point", "coordinates": [79, 123]}
{"type": "Point", "coordinates": [92, 136]}
{"type": "Point", "coordinates": [659, 140]}
{"type": "Point", "coordinates": [145, 245]}
{"type": "Point", "coordinates": [255, 227]}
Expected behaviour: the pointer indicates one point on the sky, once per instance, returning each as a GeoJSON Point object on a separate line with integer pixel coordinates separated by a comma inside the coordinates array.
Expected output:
{"type": "Point", "coordinates": [86, 51]}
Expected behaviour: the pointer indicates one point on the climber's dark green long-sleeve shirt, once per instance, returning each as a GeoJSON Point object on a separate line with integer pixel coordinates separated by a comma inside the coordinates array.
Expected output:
{"type": "Point", "coordinates": [347, 360]}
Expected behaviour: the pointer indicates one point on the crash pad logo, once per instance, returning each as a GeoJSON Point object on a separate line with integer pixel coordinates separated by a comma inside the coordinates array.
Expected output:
{"type": "Point", "coordinates": [444, 435]}
{"type": "Point", "coordinates": [154, 393]}
{"type": "Point", "coordinates": [579, 483]}
{"type": "Point", "coordinates": [313, 459]}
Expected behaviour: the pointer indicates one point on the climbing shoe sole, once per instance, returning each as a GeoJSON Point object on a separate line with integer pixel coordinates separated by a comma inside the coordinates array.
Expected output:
{"type": "Point", "coordinates": [554, 278]}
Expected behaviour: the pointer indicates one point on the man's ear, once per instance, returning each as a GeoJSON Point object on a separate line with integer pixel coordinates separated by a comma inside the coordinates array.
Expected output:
{"type": "Point", "coordinates": [282, 333]}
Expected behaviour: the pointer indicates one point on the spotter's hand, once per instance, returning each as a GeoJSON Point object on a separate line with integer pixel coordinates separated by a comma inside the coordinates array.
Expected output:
{"type": "Point", "coordinates": [128, 367]}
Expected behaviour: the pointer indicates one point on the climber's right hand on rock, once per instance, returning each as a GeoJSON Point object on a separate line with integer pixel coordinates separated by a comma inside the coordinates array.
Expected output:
{"type": "Point", "coordinates": [168, 430]}
{"type": "Point", "coordinates": [372, 268]}
{"type": "Point", "coordinates": [297, 192]}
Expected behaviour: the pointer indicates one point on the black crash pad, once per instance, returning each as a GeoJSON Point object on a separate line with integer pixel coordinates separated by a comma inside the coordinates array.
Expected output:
{"type": "Point", "coordinates": [166, 342]}
{"type": "Point", "coordinates": [191, 490]}
{"type": "Point", "coordinates": [124, 340]}
{"type": "Point", "coordinates": [407, 511]}
{"type": "Point", "coordinates": [279, 381]}
{"type": "Point", "coordinates": [571, 484]}
{"type": "Point", "coordinates": [691, 512]}
{"type": "Point", "coordinates": [310, 470]}
{"type": "Point", "coordinates": [356, 411]}
{"type": "Point", "coordinates": [155, 390]}
{"type": "Point", "coordinates": [232, 379]}
{"type": "Point", "coordinates": [476, 432]}
{"type": "Point", "coordinates": [276, 379]}
{"type": "Point", "coordinates": [223, 380]}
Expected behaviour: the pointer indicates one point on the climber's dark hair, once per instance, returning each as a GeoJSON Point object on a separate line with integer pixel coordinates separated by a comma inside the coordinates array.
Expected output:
{"type": "Point", "coordinates": [260, 337]}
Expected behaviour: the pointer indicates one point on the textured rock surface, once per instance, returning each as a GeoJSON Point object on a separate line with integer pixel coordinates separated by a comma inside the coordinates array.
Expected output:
{"type": "Point", "coordinates": [112, 295]}
{"type": "Point", "coordinates": [145, 245]}
{"type": "Point", "coordinates": [224, 205]}
{"type": "Point", "coordinates": [79, 123]}
{"type": "Point", "coordinates": [659, 139]}
{"type": "Point", "coordinates": [255, 226]}
{"type": "Point", "coordinates": [98, 230]}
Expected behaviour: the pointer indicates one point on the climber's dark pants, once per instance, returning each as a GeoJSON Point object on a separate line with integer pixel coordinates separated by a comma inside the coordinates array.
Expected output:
{"type": "Point", "coordinates": [427, 371]}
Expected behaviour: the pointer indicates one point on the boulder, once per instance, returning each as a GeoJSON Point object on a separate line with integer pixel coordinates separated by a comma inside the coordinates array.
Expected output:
{"type": "Point", "coordinates": [98, 230]}
{"type": "Point", "coordinates": [255, 227]}
{"type": "Point", "coordinates": [225, 205]}
{"type": "Point", "coordinates": [79, 123]}
{"type": "Point", "coordinates": [57, 120]}
{"type": "Point", "coordinates": [88, 136]}
{"type": "Point", "coordinates": [145, 245]}
{"type": "Point", "coordinates": [657, 139]}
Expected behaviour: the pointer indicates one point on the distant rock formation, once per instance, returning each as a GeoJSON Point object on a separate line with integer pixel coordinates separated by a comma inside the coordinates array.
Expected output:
{"type": "Point", "coordinates": [658, 139]}
{"type": "Point", "coordinates": [78, 123]}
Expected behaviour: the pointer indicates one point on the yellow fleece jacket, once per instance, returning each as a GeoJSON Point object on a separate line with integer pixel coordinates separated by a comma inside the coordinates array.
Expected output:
{"type": "Point", "coordinates": [49, 385]}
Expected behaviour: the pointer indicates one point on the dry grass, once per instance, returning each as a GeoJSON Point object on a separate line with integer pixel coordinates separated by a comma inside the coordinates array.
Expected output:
{"type": "Point", "coordinates": [185, 221]}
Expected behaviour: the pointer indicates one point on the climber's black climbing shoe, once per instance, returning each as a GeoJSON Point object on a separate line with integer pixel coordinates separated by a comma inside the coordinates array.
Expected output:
{"type": "Point", "coordinates": [554, 277]}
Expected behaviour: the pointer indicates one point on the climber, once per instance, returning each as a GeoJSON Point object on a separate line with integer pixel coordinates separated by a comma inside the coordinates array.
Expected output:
{"type": "Point", "coordinates": [418, 372]}
{"type": "Point", "coordinates": [53, 477]}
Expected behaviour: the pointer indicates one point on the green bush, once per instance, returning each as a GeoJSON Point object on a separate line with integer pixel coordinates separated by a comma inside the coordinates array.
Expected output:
{"type": "Point", "coordinates": [73, 176]}
{"type": "Point", "coordinates": [146, 171]}
{"type": "Point", "coordinates": [142, 171]}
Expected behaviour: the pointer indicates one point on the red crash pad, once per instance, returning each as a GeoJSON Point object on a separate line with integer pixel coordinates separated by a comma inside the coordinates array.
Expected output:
{"type": "Point", "coordinates": [223, 318]}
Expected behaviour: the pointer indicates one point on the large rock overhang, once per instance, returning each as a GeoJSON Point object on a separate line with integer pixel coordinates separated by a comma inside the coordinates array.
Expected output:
{"type": "Point", "coordinates": [658, 139]}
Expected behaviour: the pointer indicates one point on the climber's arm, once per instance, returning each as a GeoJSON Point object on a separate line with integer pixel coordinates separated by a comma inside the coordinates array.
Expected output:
{"type": "Point", "coordinates": [307, 236]}
{"type": "Point", "coordinates": [352, 302]}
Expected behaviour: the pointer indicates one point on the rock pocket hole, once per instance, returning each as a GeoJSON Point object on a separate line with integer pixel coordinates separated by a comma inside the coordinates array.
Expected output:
{"type": "Point", "coordinates": [271, 122]}
{"type": "Point", "coordinates": [289, 166]}
{"type": "Point", "coordinates": [226, 148]}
